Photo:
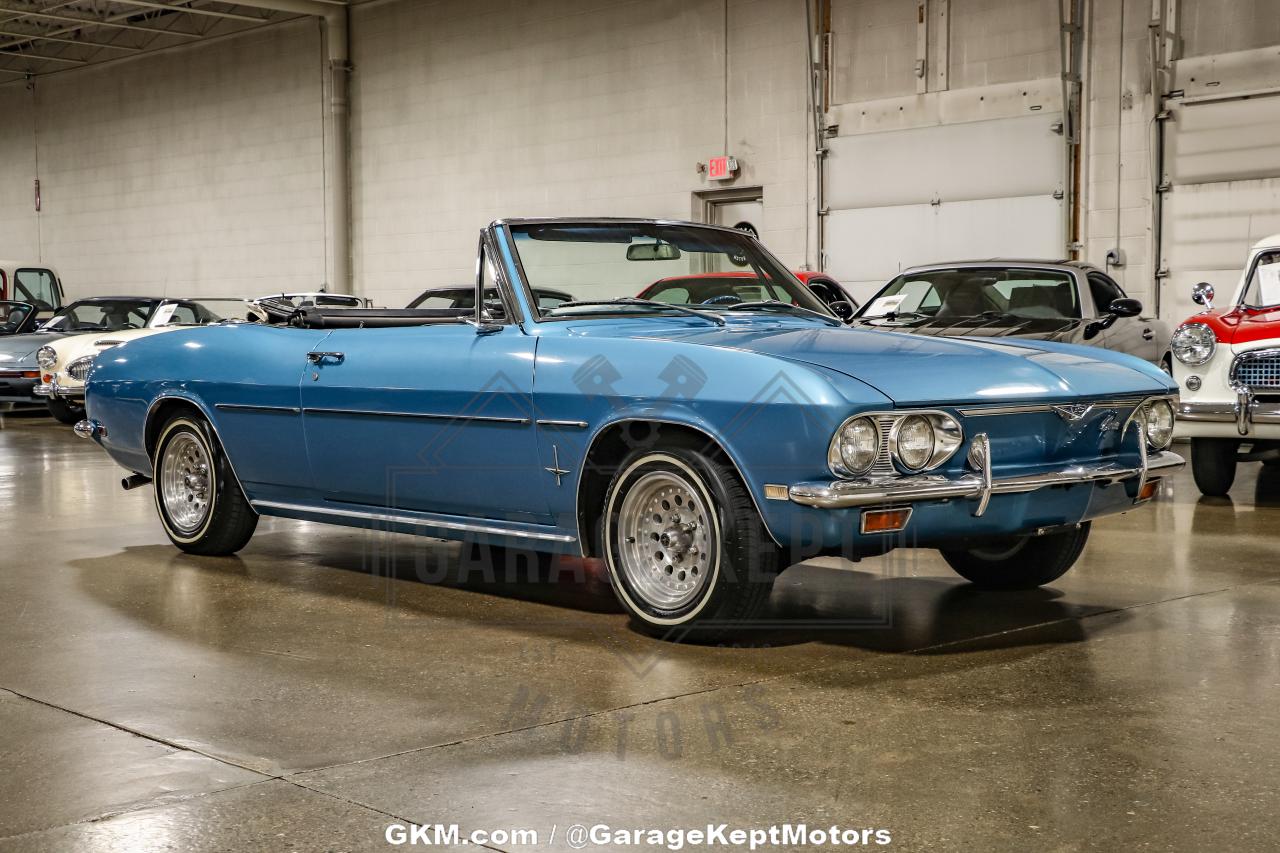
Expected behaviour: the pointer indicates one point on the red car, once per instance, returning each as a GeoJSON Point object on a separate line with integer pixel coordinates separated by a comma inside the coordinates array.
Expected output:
{"type": "Point", "coordinates": [727, 288]}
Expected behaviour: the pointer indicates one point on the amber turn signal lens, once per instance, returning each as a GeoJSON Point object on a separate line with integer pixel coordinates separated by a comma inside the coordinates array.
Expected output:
{"type": "Point", "coordinates": [1148, 490]}
{"type": "Point", "coordinates": [31, 374]}
{"type": "Point", "coordinates": [885, 520]}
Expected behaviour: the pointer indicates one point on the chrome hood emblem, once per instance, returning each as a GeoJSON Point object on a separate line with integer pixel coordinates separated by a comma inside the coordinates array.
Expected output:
{"type": "Point", "coordinates": [1073, 413]}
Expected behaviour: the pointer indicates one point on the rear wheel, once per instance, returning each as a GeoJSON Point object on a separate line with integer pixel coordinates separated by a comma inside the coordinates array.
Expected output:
{"type": "Point", "coordinates": [1213, 463]}
{"type": "Point", "coordinates": [1022, 562]}
{"type": "Point", "coordinates": [199, 500]}
{"type": "Point", "coordinates": [64, 412]}
{"type": "Point", "coordinates": [686, 550]}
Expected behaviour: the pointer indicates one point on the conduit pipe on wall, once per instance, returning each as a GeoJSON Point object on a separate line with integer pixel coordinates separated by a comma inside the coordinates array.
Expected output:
{"type": "Point", "coordinates": [337, 165]}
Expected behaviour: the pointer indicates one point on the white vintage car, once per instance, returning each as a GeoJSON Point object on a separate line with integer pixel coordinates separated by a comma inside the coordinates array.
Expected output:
{"type": "Point", "coordinates": [1226, 361]}
{"type": "Point", "coordinates": [65, 363]}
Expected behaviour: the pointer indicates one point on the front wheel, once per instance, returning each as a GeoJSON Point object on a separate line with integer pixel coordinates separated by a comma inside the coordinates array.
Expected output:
{"type": "Point", "coordinates": [199, 500]}
{"type": "Point", "coordinates": [1023, 562]}
{"type": "Point", "coordinates": [1213, 464]}
{"type": "Point", "coordinates": [686, 549]}
{"type": "Point", "coordinates": [64, 412]}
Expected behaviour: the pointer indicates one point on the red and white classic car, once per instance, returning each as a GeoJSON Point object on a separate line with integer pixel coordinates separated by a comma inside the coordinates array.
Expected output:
{"type": "Point", "coordinates": [1227, 364]}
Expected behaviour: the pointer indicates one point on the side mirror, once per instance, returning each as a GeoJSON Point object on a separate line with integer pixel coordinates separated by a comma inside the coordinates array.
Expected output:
{"type": "Point", "coordinates": [843, 309]}
{"type": "Point", "coordinates": [1125, 307]}
{"type": "Point", "coordinates": [1202, 294]}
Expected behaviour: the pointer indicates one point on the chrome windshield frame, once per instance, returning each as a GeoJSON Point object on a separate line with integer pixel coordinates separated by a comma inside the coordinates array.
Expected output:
{"type": "Point", "coordinates": [529, 301]}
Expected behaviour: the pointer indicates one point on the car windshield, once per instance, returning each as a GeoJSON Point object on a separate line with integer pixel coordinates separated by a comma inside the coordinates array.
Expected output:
{"type": "Point", "coordinates": [13, 315]}
{"type": "Point", "coordinates": [202, 312]}
{"type": "Point", "coordinates": [975, 292]}
{"type": "Point", "coordinates": [102, 315]}
{"type": "Point", "coordinates": [1263, 289]}
{"type": "Point", "coordinates": [618, 267]}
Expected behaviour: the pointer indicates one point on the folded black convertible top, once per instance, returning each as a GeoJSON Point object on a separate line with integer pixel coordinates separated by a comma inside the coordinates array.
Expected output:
{"type": "Point", "coordinates": [375, 318]}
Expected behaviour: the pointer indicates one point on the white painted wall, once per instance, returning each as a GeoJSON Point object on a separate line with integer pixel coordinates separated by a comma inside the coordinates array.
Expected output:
{"type": "Point", "coordinates": [962, 163]}
{"type": "Point", "coordinates": [18, 227]}
{"type": "Point", "coordinates": [465, 113]}
{"type": "Point", "coordinates": [195, 171]}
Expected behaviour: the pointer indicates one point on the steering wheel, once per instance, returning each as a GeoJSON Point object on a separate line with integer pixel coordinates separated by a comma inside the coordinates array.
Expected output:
{"type": "Point", "coordinates": [723, 299]}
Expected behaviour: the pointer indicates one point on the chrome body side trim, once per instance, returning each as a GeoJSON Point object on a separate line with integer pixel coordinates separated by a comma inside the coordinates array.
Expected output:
{"type": "Point", "coordinates": [840, 494]}
{"type": "Point", "coordinates": [433, 416]}
{"type": "Point", "coordinates": [245, 407]}
{"type": "Point", "coordinates": [547, 422]}
{"type": "Point", "coordinates": [1031, 408]}
{"type": "Point", "coordinates": [419, 520]}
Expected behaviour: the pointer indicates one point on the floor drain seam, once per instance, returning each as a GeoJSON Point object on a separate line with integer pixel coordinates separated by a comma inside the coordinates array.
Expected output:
{"type": "Point", "coordinates": [141, 734]}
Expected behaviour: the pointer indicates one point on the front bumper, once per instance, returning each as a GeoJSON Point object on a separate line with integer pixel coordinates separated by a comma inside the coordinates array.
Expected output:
{"type": "Point", "coordinates": [842, 494]}
{"type": "Point", "coordinates": [1247, 416]}
{"type": "Point", "coordinates": [74, 394]}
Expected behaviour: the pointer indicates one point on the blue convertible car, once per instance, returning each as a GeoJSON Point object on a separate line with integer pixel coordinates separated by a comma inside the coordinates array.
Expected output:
{"type": "Point", "coordinates": [697, 444]}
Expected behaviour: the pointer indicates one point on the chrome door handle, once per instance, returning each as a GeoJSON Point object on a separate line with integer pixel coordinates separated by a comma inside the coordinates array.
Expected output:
{"type": "Point", "coordinates": [1148, 335]}
{"type": "Point", "coordinates": [321, 357]}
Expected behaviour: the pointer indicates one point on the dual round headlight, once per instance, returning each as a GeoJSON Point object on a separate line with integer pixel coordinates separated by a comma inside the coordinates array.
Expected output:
{"type": "Point", "coordinates": [855, 447]}
{"type": "Point", "coordinates": [1193, 343]}
{"type": "Point", "coordinates": [47, 357]}
{"type": "Point", "coordinates": [1158, 420]}
{"type": "Point", "coordinates": [915, 442]}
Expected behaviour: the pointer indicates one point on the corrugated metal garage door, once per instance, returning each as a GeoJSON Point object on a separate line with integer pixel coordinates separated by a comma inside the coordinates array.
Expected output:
{"type": "Point", "coordinates": [1222, 164]}
{"type": "Point", "coordinates": [948, 192]}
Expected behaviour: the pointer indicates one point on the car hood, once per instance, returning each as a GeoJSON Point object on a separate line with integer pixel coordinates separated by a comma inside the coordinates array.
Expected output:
{"type": "Point", "coordinates": [75, 346]}
{"type": "Point", "coordinates": [1064, 329]}
{"type": "Point", "coordinates": [1242, 325]}
{"type": "Point", "coordinates": [23, 347]}
{"type": "Point", "coordinates": [915, 370]}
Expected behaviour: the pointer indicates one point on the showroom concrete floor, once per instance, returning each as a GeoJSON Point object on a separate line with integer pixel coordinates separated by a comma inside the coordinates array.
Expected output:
{"type": "Point", "coordinates": [298, 698]}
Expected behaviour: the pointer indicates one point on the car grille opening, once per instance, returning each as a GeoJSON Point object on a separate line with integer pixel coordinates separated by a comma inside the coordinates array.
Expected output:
{"type": "Point", "coordinates": [1258, 370]}
{"type": "Point", "coordinates": [79, 369]}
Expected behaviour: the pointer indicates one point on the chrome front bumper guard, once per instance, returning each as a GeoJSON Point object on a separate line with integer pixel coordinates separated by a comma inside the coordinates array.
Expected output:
{"type": "Point", "coordinates": [1245, 412]}
{"type": "Point", "coordinates": [53, 389]}
{"type": "Point", "coordinates": [980, 486]}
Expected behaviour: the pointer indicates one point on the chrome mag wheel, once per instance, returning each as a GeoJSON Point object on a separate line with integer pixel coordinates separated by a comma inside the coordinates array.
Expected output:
{"type": "Point", "coordinates": [186, 482]}
{"type": "Point", "coordinates": [665, 540]}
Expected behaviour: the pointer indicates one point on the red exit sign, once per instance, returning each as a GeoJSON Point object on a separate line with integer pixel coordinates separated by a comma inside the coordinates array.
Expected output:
{"type": "Point", "coordinates": [721, 168]}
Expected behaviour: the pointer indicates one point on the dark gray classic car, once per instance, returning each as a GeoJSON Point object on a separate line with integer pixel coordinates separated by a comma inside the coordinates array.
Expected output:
{"type": "Point", "coordinates": [1065, 301]}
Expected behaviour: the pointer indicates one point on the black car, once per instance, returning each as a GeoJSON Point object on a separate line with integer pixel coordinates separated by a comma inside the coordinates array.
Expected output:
{"type": "Point", "coordinates": [1064, 301]}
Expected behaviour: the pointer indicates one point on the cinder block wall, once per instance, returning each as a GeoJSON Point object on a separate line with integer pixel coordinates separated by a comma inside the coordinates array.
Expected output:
{"type": "Point", "coordinates": [196, 171]}
{"type": "Point", "coordinates": [467, 112]}
{"type": "Point", "coordinates": [18, 226]}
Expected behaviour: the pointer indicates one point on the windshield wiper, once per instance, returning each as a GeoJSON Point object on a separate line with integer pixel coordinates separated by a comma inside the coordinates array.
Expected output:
{"type": "Point", "coordinates": [642, 303]}
{"type": "Point", "coordinates": [899, 315]}
{"type": "Point", "coordinates": [779, 305]}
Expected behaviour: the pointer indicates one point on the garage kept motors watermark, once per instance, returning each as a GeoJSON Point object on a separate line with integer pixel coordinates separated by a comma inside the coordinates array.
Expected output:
{"type": "Point", "coordinates": [584, 836]}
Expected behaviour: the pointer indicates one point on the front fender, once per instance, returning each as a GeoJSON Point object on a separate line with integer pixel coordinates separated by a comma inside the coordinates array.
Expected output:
{"type": "Point", "coordinates": [772, 417]}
